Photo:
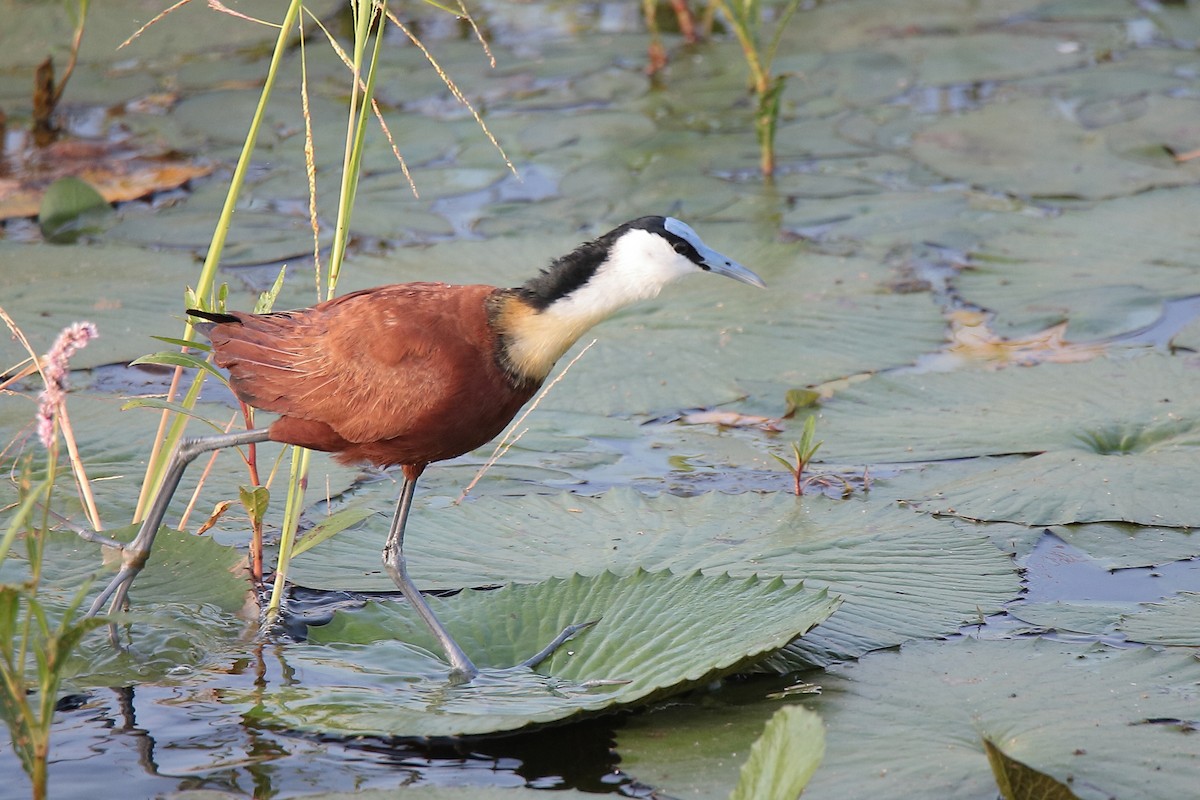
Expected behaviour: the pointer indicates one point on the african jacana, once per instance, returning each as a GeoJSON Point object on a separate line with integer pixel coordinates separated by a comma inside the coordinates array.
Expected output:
{"type": "Point", "coordinates": [421, 372]}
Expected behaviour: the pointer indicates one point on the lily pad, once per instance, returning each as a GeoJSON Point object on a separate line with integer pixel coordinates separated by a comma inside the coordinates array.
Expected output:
{"type": "Point", "coordinates": [910, 723]}
{"type": "Point", "coordinates": [655, 633]}
{"type": "Point", "coordinates": [1057, 156]}
{"type": "Point", "coordinates": [1082, 267]}
{"type": "Point", "coordinates": [1018, 781]}
{"type": "Point", "coordinates": [1076, 616]}
{"type": "Point", "coordinates": [1118, 546]}
{"type": "Point", "coordinates": [784, 758]}
{"type": "Point", "coordinates": [902, 575]}
{"type": "Point", "coordinates": [988, 56]}
{"type": "Point", "coordinates": [696, 745]}
{"type": "Point", "coordinates": [186, 604]}
{"type": "Point", "coordinates": [128, 293]}
{"type": "Point", "coordinates": [1114, 438]}
{"type": "Point", "coordinates": [1073, 486]}
{"type": "Point", "coordinates": [1174, 622]}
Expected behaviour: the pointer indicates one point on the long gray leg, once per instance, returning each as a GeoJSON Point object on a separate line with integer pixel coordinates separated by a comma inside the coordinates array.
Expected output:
{"type": "Point", "coordinates": [134, 554]}
{"type": "Point", "coordinates": [462, 668]}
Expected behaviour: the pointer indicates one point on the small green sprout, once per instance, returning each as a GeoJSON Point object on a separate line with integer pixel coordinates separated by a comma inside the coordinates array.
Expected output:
{"type": "Point", "coordinates": [804, 451]}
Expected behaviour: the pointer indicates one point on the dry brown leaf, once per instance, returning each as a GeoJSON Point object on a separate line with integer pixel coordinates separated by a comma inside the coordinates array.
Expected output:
{"type": "Point", "coordinates": [116, 169]}
{"type": "Point", "coordinates": [972, 338]}
{"type": "Point", "coordinates": [731, 419]}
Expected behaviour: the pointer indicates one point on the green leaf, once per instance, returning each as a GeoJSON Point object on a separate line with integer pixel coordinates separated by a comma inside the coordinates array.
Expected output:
{"type": "Point", "coordinates": [1175, 622]}
{"type": "Point", "coordinates": [1018, 781]}
{"type": "Point", "coordinates": [255, 499]}
{"type": "Point", "coordinates": [172, 358]}
{"type": "Point", "coordinates": [178, 408]}
{"type": "Point", "coordinates": [902, 574]}
{"type": "Point", "coordinates": [784, 758]}
{"type": "Point", "coordinates": [331, 526]}
{"type": "Point", "coordinates": [266, 300]}
{"type": "Point", "coordinates": [66, 202]}
{"type": "Point", "coordinates": [203, 347]}
{"type": "Point", "coordinates": [1113, 438]}
{"type": "Point", "coordinates": [1109, 722]}
{"type": "Point", "coordinates": [798, 399]}
{"type": "Point", "coordinates": [656, 633]}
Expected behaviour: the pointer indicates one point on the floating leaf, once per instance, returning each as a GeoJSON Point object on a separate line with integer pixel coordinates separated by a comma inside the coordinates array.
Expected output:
{"type": "Point", "coordinates": [65, 203]}
{"type": "Point", "coordinates": [902, 574]}
{"type": "Point", "coordinates": [1057, 156]}
{"type": "Point", "coordinates": [184, 605]}
{"type": "Point", "coordinates": [1114, 438]}
{"type": "Point", "coordinates": [1082, 269]}
{"type": "Point", "coordinates": [1174, 622]}
{"type": "Point", "coordinates": [909, 723]}
{"type": "Point", "coordinates": [784, 758]}
{"type": "Point", "coordinates": [1018, 781]}
{"type": "Point", "coordinates": [655, 633]}
{"type": "Point", "coordinates": [131, 294]}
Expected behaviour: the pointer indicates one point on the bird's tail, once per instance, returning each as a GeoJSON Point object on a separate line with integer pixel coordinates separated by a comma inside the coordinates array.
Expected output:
{"type": "Point", "coordinates": [211, 317]}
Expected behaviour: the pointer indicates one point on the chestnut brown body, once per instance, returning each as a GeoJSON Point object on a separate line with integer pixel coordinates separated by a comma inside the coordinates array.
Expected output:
{"type": "Point", "coordinates": [405, 374]}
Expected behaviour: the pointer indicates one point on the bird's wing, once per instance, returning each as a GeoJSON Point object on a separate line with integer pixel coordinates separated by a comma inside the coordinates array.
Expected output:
{"type": "Point", "coordinates": [370, 364]}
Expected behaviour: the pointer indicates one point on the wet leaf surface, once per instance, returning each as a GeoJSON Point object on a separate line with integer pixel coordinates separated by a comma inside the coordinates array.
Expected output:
{"type": "Point", "coordinates": [911, 721]}
{"type": "Point", "coordinates": [656, 633]}
{"type": "Point", "coordinates": [901, 575]}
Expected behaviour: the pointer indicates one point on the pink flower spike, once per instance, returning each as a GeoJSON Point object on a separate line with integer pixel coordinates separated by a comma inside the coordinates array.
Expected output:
{"type": "Point", "coordinates": [54, 370]}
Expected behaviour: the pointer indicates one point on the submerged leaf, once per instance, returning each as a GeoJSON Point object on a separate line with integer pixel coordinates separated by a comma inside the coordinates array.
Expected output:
{"type": "Point", "coordinates": [65, 202]}
{"type": "Point", "coordinates": [1018, 781]}
{"type": "Point", "coordinates": [784, 758]}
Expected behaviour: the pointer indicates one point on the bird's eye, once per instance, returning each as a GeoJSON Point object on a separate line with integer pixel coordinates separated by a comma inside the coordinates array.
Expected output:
{"type": "Point", "coordinates": [681, 248]}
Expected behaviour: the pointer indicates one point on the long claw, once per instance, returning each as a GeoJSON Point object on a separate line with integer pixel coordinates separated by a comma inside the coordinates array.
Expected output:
{"type": "Point", "coordinates": [566, 635]}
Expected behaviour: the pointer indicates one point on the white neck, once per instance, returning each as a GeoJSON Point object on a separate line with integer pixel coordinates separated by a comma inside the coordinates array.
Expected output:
{"type": "Point", "coordinates": [638, 266]}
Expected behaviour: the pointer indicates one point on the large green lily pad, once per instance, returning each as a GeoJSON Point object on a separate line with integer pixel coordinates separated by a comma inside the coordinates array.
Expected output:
{"type": "Point", "coordinates": [189, 605]}
{"type": "Point", "coordinates": [912, 722]}
{"type": "Point", "coordinates": [1056, 156]}
{"type": "Point", "coordinates": [654, 633]}
{"type": "Point", "coordinates": [1114, 437]}
{"type": "Point", "coordinates": [1173, 622]}
{"type": "Point", "coordinates": [1084, 268]}
{"type": "Point", "coordinates": [902, 575]}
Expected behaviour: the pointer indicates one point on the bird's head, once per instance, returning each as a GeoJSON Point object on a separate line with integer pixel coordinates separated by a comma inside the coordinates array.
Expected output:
{"type": "Point", "coordinates": [629, 263]}
{"type": "Point", "coordinates": [539, 321]}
